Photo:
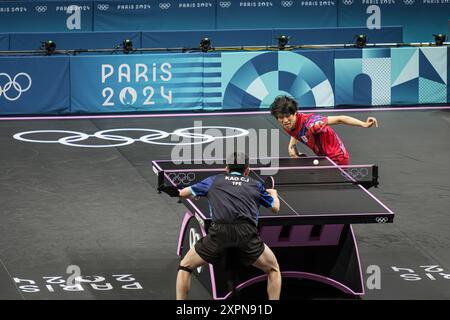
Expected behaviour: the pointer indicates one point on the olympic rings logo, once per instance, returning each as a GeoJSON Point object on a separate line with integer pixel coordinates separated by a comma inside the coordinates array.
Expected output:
{"type": "Point", "coordinates": [40, 9]}
{"type": "Point", "coordinates": [408, 2]}
{"type": "Point", "coordinates": [225, 4]}
{"type": "Point", "coordinates": [347, 2]}
{"type": "Point", "coordinates": [14, 85]}
{"type": "Point", "coordinates": [357, 173]}
{"type": "Point", "coordinates": [152, 138]}
{"type": "Point", "coordinates": [287, 4]}
{"type": "Point", "coordinates": [182, 178]}
{"type": "Point", "coordinates": [103, 7]}
{"type": "Point", "coordinates": [194, 236]}
{"type": "Point", "coordinates": [381, 219]}
{"type": "Point", "coordinates": [164, 6]}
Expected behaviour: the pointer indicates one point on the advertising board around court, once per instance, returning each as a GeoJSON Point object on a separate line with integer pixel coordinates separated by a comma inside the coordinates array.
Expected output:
{"type": "Point", "coordinates": [4, 41]}
{"type": "Point", "coordinates": [254, 79]}
{"type": "Point", "coordinates": [46, 16]}
{"type": "Point", "coordinates": [34, 85]}
{"type": "Point", "coordinates": [276, 14]}
{"type": "Point", "coordinates": [195, 81]}
{"type": "Point", "coordinates": [420, 19]}
{"type": "Point", "coordinates": [154, 15]}
{"type": "Point", "coordinates": [134, 83]}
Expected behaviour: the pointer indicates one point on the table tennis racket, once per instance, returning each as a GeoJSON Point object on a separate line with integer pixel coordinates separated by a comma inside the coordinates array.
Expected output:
{"type": "Point", "coordinates": [269, 183]}
{"type": "Point", "coordinates": [299, 154]}
{"type": "Point", "coordinates": [170, 190]}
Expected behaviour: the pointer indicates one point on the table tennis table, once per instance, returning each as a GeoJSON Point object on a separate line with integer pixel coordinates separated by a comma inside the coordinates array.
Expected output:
{"type": "Point", "coordinates": [311, 235]}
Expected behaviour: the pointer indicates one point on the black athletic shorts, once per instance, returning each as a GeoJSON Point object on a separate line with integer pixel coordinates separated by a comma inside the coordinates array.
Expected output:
{"type": "Point", "coordinates": [241, 235]}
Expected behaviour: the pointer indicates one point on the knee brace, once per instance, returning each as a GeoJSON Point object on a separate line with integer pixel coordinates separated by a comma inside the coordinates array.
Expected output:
{"type": "Point", "coordinates": [180, 267]}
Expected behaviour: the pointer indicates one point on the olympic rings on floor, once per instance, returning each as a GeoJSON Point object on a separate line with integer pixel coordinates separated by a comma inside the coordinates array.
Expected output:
{"type": "Point", "coordinates": [152, 138]}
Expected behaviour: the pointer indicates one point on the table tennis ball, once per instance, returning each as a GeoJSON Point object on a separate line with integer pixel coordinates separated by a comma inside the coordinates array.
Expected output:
{"type": "Point", "coordinates": [316, 162]}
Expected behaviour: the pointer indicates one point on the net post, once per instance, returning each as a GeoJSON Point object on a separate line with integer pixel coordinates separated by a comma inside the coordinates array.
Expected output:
{"type": "Point", "coordinates": [160, 180]}
{"type": "Point", "coordinates": [375, 176]}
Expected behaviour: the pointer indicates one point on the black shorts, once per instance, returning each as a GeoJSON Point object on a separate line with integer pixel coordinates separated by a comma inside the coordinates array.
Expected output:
{"type": "Point", "coordinates": [242, 236]}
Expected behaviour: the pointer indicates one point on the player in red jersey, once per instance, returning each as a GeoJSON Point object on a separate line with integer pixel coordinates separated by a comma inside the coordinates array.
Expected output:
{"type": "Point", "coordinates": [314, 130]}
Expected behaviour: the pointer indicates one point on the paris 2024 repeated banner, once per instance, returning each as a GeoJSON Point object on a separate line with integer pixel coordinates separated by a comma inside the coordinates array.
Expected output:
{"type": "Point", "coordinates": [420, 18]}
{"type": "Point", "coordinates": [228, 80]}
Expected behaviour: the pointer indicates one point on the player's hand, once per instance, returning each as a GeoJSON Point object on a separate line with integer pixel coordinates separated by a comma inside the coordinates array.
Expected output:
{"type": "Point", "coordinates": [370, 122]}
{"type": "Point", "coordinates": [293, 154]}
{"type": "Point", "coordinates": [297, 155]}
{"type": "Point", "coordinates": [272, 192]}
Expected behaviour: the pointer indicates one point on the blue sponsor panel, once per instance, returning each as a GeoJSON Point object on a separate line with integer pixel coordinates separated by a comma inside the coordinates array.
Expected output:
{"type": "Point", "coordinates": [144, 82]}
{"type": "Point", "coordinates": [219, 38]}
{"type": "Point", "coordinates": [253, 80]}
{"type": "Point", "coordinates": [345, 35]}
{"type": "Point", "coordinates": [45, 16]}
{"type": "Point", "coordinates": [4, 41]}
{"type": "Point", "coordinates": [362, 76]}
{"type": "Point", "coordinates": [227, 80]}
{"type": "Point", "coordinates": [397, 76]}
{"type": "Point", "coordinates": [234, 14]}
{"type": "Point", "coordinates": [122, 15]}
{"type": "Point", "coordinates": [405, 75]}
{"type": "Point", "coordinates": [74, 41]}
{"type": "Point", "coordinates": [448, 74]}
{"type": "Point", "coordinates": [34, 85]}
{"type": "Point", "coordinates": [347, 65]}
{"type": "Point", "coordinates": [419, 75]}
{"type": "Point", "coordinates": [420, 19]}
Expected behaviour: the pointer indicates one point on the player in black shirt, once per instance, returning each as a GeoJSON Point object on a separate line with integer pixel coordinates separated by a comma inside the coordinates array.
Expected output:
{"type": "Point", "coordinates": [234, 200]}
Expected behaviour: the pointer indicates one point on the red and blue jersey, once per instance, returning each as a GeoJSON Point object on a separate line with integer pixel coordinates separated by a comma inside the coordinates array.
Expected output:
{"type": "Point", "coordinates": [313, 130]}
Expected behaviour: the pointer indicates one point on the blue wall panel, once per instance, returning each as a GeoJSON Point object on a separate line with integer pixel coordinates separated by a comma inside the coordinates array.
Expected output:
{"type": "Point", "coordinates": [234, 14]}
{"type": "Point", "coordinates": [142, 83]}
{"type": "Point", "coordinates": [420, 19]}
{"type": "Point", "coordinates": [226, 80]}
{"type": "Point", "coordinates": [4, 41]}
{"type": "Point", "coordinates": [345, 35]}
{"type": "Point", "coordinates": [46, 16]}
{"type": "Point", "coordinates": [37, 85]}
{"type": "Point", "coordinates": [123, 15]}
{"type": "Point", "coordinates": [70, 41]}
{"type": "Point", "coordinates": [219, 38]}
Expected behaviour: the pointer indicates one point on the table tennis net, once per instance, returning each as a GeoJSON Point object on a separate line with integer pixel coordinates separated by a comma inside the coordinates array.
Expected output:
{"type": "Point", "coordinates": [362, 174]}
{"type": "Point", "coordinates": [321, 175]}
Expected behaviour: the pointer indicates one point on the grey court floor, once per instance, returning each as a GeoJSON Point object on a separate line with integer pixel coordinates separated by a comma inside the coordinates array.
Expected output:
{"type": "Point", "coordinates": [68, 211]}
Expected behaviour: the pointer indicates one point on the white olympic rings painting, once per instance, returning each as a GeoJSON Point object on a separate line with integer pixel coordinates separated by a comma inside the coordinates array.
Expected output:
{"type": "Point", "coordinates": [152, 137]}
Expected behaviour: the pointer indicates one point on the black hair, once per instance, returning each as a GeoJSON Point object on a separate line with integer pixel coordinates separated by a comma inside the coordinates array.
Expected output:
{"type": "Point", "coordinates": [237, 161]}
{"type": "Point", "coordinates": [283, 106]}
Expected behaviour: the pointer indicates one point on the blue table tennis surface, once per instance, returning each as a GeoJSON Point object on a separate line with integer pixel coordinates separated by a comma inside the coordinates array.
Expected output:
{"type": "Point", "coordinates": [323, 193]}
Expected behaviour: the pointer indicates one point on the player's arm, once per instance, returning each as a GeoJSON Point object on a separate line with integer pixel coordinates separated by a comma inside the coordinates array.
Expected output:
{"type": "Point", "coordinates": [352, 121]}
{"type": "Point", "coordinates": [292, 148]}
{"type": "Point", "coordinates": [199, 189]}
{"type": "Point", "coordinates": [276, 200]}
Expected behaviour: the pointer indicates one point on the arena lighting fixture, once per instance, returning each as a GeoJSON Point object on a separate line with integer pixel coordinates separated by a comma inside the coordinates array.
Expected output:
{"type": "Point", "coordinates": [361, 40]}
{"type": "Point", "coordinates": [127, 46]}
{"type": "Point", "coordinates": [282, 42]}
{"type": "Point", "coordinates": [49, 47]}
{"type": "Point", "coordinates": [439, 39]}
{"type": "Point", "coordinates": [205, 44]}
